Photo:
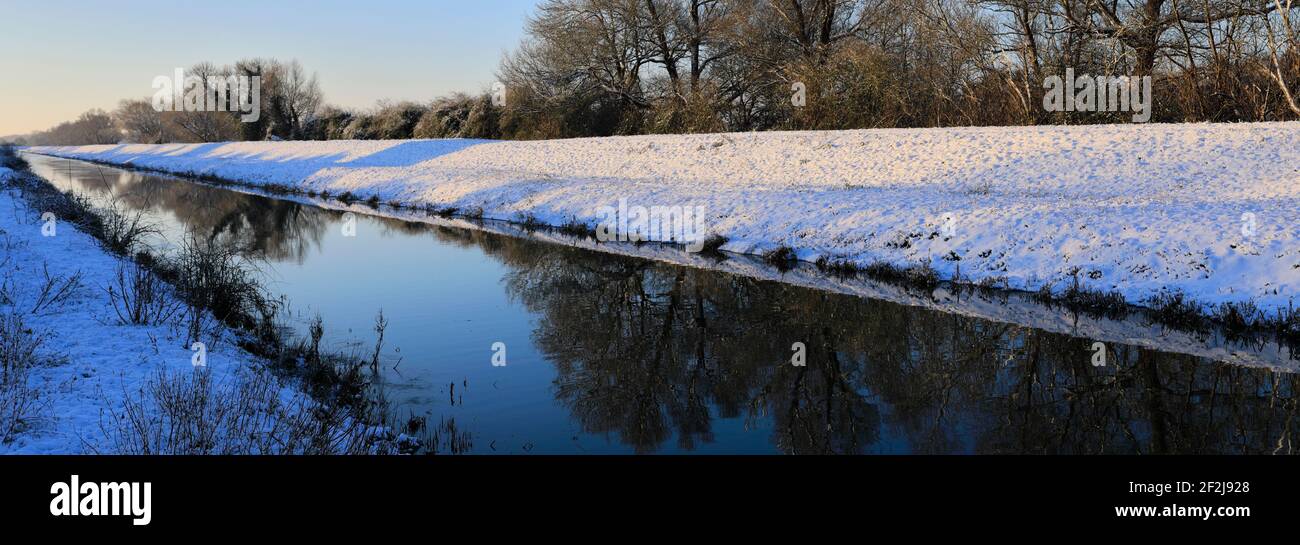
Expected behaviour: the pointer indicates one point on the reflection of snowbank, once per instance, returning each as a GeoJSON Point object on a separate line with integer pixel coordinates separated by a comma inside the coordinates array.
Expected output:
{"type": "Point", "coordinates": [1137, 209]}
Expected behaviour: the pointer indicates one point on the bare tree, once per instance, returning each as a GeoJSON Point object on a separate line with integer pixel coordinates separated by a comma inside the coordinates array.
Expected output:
{"type": "Point", "coordinates": [140, 121]}
{"type": "Point", "coordinates": [587, 46]}
{"type": "Point", "coordinates": [296, 96]}
{"type": "Point", "coordinates": [1283, 52]}
{"type": "Point", "coordinates": [291, 99]}
{"type": "Point", "coordinates": [661, 31]}
{"type": "Point", "coordinates": [205, 115]}
{"type": "Point", "coordinates": [701, 29]}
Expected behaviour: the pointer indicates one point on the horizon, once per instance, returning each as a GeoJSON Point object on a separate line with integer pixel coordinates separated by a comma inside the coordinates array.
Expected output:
{"type": "Point", "coordinates": [406, 62]}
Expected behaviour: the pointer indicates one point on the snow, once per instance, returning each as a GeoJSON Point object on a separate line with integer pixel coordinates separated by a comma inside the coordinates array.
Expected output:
{"type": "Point", "coordinates": [1209, 210]}
{"type": "Point", "coordinates": [89, 362]}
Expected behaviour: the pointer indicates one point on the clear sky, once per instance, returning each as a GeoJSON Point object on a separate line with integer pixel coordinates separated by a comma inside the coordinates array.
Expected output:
{"type": "Point", "coordinates": [59, 58]}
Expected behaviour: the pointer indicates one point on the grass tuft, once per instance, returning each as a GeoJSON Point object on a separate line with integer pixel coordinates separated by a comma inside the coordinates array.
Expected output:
{"type": "Point", "coordinates": [781, 257]}
{"type": "Point", "coordinates": [190, 413]}
{"type": "Point", "coordinates": [1176, 310]}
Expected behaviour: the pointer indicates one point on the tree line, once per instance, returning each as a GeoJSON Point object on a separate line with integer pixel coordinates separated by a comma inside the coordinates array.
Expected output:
{"type": "Point", "coordinates": [612, 67]}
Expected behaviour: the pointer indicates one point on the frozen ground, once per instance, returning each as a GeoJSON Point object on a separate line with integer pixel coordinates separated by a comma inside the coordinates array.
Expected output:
{"type": "Point", "coordinates": [87, 361]}
{"type": "Point", "coordinates": [1210, 210]}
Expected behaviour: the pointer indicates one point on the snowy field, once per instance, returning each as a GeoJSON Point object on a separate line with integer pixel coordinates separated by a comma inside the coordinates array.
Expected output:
{"type": "Point", "coordinates": [1210, 210]}
{"type": "Point", "coordinates": [87, 361]}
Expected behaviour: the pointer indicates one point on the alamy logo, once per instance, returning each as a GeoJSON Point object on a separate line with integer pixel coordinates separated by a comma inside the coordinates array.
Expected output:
{"type": "Point", "coordinates": [181, 93]}
{"type": "Point", "coordinates": [102, 499]}
{"type": "Point", "coordinates": [1098, 94]}
{"type": "Point", "coordinates": [49, 225]}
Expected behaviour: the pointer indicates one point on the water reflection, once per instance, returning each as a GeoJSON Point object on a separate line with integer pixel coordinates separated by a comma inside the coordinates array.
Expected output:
{"type": "Point", "coordinates": [273, 229]}
{"type": "Point", "coordinates": [668, 358]}
{"type": "Point", "coordinates": [645, 350]}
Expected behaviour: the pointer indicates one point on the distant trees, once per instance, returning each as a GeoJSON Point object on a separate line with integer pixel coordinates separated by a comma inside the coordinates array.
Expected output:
{"type": "Point", "coordinates": [617, 67]}
{"type": "Point", "coordinates": [291, 100]}
{"type": "Point", "coordinates": [330, 123]}
{"type": "Point", "coordinates": [393, 121]}
{"type": "Point", "coordinates": [445, 117]}
{"type": "Point", "coordinates": [92, 127]}
{"type": "Point", "coordinates": [140, 122]}
{"type": "Point", "coordinates": [581, 73]}
{"type": "Point", "coordinates": [605, 67]}
{"type": "Point", "coordinates": [199, 125]}
{"type": "Point", "coordinates": [290, 104]}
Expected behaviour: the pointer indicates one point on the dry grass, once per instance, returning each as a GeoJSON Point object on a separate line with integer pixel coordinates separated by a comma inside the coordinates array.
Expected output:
{"type": "Point", "coordinates": [139, 297]}
{"type": "Point", "coordinates": [190, 413]}
{"type": "Point", "coordinates": [214, 280]}
{"type": "Point", "coordinates": [18, 354]}
{"type": "Point", "coordinates": [123, 233]}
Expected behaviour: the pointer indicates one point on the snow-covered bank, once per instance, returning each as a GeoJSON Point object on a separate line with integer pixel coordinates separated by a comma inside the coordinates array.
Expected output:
{"type": "Point", "coordinates": [1206, 209]}
{"type": "Point", "coordinates": [86, 361]}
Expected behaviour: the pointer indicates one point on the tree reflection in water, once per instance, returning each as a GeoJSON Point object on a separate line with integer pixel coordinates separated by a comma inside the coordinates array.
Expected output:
{"type": "Point", "coordinates": [271, 229]}
{"type": "Point", "coordinates": [651, 351]}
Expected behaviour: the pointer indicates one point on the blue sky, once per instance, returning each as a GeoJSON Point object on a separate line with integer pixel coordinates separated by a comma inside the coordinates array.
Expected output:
{"type": "Point", "coordinates": [62, 57]}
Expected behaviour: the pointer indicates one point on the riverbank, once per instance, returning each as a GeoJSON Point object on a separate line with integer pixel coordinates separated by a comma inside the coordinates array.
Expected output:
{"type": "Point", "coordinates": [1198, 217]}
{"type": "Point", "coordinates": [78, 361]}
{"type": "Point", "coordinates": [107, 354]}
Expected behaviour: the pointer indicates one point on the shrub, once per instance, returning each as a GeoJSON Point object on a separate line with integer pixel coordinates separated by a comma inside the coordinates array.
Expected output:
{"type": "Point", "coordinates": [18, 354]}
{"type": "Point", "coordinates": [1078, 298]}
{"type": "Point", "coordinates": [121, 232]}
{"type": "Point", "coordinates": [10, 159]}
{"type": "Point", "coordinates": [212, 277]}
{"type": "Point", "coordinates": [330, 124]}
{"type": "Point", "coordinates": [361, 127]}
{"type": "Point", "coordinates": [838, 267]}
{"type": "Point", "coordinates": [138, 297]}
{"type": "Point", "coordinates": [397, 121]}
{"type": "Point", "coordinates": [713, 244]}
{"type": "Point", "coordinates": [782, 257]}
{"type": "Point", "coordinates": [483, 121]}
{"type": "Point", "coordinates": [1237, 318]}
{"type": "Point", "coordinates": [529, 221]}
{"type": "Point", "coordinates": [444, 118]}
{"type": "Point", "coordinates": [1175, 309]}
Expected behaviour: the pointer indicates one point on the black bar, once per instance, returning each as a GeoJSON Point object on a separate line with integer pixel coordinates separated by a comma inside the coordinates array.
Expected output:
{"type": "Point", "coordinates": [327, 494]}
